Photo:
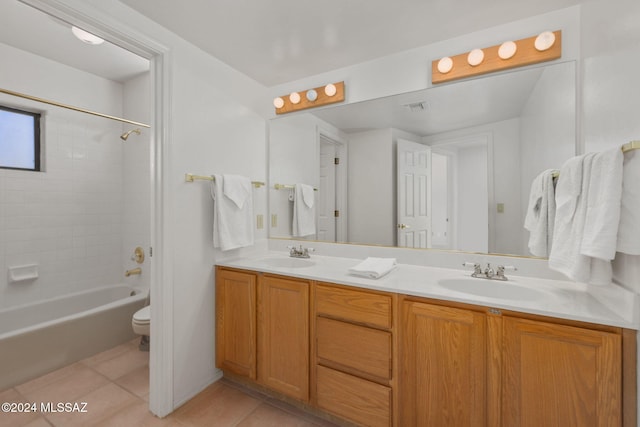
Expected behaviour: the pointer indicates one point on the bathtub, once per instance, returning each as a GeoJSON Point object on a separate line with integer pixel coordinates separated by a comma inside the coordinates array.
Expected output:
{"type": "Point", "coordinates": [41, 337]}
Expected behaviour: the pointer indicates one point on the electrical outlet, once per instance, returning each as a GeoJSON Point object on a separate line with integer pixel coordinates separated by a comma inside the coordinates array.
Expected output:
{"type": "Point", "coordinates": [274, 220]}
{"type": "Point", "coordinates": [500, 207]}
{"type": "Point", "coordinates": [260, 222]}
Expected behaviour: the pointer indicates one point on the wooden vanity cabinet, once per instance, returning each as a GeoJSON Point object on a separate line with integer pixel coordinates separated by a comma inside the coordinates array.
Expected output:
{"type": "Point", "coordinates": [236, 336]}
{"type": "Point", "coordinates": [283, 335]}
{"type": "Point", "coordinates": [472, 366]}
{"type": "Point", "coordinates": [559, 375]}
{"type": "Point", "coordinates": [443, 366]}
{"type": "Point", "coordinates": [353, 354]}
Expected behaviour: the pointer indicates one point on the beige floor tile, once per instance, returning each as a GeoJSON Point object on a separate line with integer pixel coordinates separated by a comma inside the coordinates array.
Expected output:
{"type": "Point", "coordinates": [15, 419]}
{"type": "Point", "coordinates": [108, 354]}
{"type": "Point", "coordinates": [137, 415]}
{"type": "Point", "coordinates": [268, 416]}
{"type": "Point", "coordinates": [38, 422]}
{"type": "Point", "coordinates": [102, 403]}
{"type": "Point", "coordinates": [65, 388]}
{"type": "Point", "coordinates": [47, 379]}
{"type": "Point", "coordinates": [219, 405]}
{"type": "Point", "coordinates": [136, 381]}
{"type": "Point", "coordinates": [122, 364]}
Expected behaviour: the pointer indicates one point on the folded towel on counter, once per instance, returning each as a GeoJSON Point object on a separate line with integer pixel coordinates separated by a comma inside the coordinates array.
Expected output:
{"type": "Point", "coordinates": [374, 268]}
{"type": "Point", "coordinates": [232, 212]}
{"type": "Point", "coordinates": [304, 213]}
{"type": "Point", "coordinates": [541, 213]}
{"type": "Point", "coordinates": [629, 228]}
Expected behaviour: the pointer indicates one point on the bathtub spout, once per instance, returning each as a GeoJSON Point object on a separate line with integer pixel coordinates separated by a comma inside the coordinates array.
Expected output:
{"type": "Point", "coordinates": [132, 272]}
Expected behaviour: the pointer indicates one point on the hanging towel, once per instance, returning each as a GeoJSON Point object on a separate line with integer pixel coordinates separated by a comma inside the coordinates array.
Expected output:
{"type": "Point", "coordinates": [374, 268]}
{"type": "Point", "coordinates": [629, 228]}
{"type": "Point", "coordinates": [233, 213]}
{"type": "Point", "coordinates": [540, 217]}
{"type": "Point", "coordinates": [571, 209]}
{"type": "Point", "coordinates": [603, 206]}
{"type": "Point", "coordinates": [304, 213]}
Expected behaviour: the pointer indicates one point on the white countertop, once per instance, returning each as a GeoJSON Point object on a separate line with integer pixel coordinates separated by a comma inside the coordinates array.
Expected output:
{"type": "Point", "coordinates": [555, 298]}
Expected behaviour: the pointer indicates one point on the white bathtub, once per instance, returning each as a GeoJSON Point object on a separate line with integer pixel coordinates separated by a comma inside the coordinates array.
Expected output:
{"type": "Point", "coordinates": [44, 336]}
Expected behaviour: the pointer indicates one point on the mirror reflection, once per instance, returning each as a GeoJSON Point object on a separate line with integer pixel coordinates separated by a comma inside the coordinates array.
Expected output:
{"type": "Point", "coordinates": [448, 167]}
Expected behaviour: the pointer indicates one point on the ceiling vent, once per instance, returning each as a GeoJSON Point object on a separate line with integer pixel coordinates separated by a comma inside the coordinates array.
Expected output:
{"type": "Point", "coordinates": [417, 106]}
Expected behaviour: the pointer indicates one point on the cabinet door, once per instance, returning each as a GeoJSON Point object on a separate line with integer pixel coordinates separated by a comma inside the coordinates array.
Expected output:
{"type": "Point", "coordinates": [443, 365]}
{"type": "Point", "coordinates": [236, 322]}
{"type": "Point", "coordinates": [556, 375]}
{"type": "Point", "coordinates": [283, 336]}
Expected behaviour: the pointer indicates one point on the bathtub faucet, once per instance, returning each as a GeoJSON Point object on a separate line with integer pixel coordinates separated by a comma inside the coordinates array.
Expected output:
{"type": "Point", "coordinates": [132, 272]}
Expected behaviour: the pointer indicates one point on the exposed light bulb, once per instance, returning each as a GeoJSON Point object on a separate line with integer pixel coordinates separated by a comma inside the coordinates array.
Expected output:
{"type": "Point", "coordinates": [294, 97]}
{"type": "Point", "coordinates": [507, 50]}
{"type": "Point", "coordinates": [544, 41]}
{"type": "Point", "coordinates": [445, 65]}
{"type": "Point", "coordinates": [475, 57]}
{"type": "Point", "coordinates": [278, 102]}
{"type": "Point", "coordinates": [330, 89]}
{"type": "Point", "coordinates": [312, 95]}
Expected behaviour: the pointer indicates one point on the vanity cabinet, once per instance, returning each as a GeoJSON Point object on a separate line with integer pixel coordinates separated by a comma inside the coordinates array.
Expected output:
{"type": "Point", "coordinates": [472, 366]}
{"type": "Point", "coordinates": [236, 336]}
{"type": "Point", "coordinates": [353, 357]}
{"type": "Point", "coordinates": [283, 335]}
{"type": "Point", "coordinates": [560, 375]}
{"type": "Point", "coordinates": [377, 358]}
{"type": "Point", "coordinates": [443, 366]}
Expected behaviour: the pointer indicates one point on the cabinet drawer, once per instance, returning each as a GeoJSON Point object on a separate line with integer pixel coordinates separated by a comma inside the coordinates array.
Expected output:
{"type": "Point", "coordinates": [353, 305]}
{"type": "Point", "coordinates": [362, 349]}
{"type": "Point", "coordinates": [353, 398]}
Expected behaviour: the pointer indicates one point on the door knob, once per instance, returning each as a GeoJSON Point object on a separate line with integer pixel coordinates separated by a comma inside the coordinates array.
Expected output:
{"type": "Point", "coordinates": [403, 226]}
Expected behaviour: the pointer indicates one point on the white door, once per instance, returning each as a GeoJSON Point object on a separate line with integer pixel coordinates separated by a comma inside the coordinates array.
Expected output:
{"type": "Point", "coordinates": [326, 196]}
{"type": "Point", "coordinates": [414, 194]}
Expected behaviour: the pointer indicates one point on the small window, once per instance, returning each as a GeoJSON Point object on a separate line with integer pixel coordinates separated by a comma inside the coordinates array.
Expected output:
{"type": "Point", "coordinates": [19, 139]}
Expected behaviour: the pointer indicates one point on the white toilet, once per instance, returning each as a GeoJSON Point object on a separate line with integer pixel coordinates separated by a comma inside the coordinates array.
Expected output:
{"type": "Point", "coordinates": [141, 321]}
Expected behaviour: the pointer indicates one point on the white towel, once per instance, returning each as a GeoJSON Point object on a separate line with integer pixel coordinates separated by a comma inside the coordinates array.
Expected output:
{"type": "Point", "coordinates": [629, 229]}
{"type": "Point", "coordinates": [237, 188]}
{"type": "Point", "coordinates": [571, 210]}
{"type": "Point", "coordinates": [374, 268]}
{"type": "Point", "coordinates": [304, 213]}
{"type": "Point", "coordinates": [232, 218]}
{"type": "Point", "coordinates": [587, 216]}
{"type": "Point", "coordinates": [541, 213]}
{"type": "Point", "coordinates": [603, 206]}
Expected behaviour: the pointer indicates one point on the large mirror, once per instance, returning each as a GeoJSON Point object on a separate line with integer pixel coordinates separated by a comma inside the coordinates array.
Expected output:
{"type": "Point", "coordinates": [449, 167]}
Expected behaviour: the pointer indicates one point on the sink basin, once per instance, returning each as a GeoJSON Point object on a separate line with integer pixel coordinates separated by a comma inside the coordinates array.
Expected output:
{"type": "Point", "coordinates": [288, 262]}
{"type": "Point", "coordinates": [491, 289]}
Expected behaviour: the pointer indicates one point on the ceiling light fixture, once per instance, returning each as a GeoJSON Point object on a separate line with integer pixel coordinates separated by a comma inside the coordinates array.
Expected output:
{"type": "Point", "coordinates": [86, 37]}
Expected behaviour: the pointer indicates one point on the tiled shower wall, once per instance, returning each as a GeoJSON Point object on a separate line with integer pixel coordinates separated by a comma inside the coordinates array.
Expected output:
{"type": "Point", "coordinates": [68, 219]}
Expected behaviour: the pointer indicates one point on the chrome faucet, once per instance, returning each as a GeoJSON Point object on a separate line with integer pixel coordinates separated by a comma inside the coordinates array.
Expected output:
{"type": "Point", "coordinates": [489, 272]}
{"type": "Point", "coordinates": [299, 252]}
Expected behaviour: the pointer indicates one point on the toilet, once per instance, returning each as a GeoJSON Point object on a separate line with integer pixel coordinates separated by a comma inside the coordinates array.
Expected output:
{"type": "Point", "coordinates": [140, 323]}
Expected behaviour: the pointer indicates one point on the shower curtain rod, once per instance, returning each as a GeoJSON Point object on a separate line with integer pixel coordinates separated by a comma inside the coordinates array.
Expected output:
{"type": "Point", "coordinates": [71, 107]}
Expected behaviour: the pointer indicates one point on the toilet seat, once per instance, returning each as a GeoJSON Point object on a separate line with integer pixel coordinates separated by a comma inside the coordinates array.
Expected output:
{"type": "Point", "coordinates": [141, 321]}
{"type": "Point", "coordinates": [142, 316]}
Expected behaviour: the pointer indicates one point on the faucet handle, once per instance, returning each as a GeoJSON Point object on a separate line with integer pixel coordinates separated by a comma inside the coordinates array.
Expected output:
{"type": "Point", "coordinates": [477, 271]}
{"type": "Point", "coordinates": [501, 268]}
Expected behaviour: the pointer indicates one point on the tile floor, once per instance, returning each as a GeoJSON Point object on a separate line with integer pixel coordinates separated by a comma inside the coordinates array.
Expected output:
{"type": "Point", "coordinates": [115, 386]}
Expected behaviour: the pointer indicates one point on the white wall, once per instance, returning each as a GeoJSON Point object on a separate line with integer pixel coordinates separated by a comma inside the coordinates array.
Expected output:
{"type": "Point", "coordinates": [372, 188]}
{"type": "Point", "coordinates": [68, 218]}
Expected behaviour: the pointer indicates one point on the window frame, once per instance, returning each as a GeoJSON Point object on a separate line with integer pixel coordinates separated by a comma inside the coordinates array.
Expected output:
{"type": "Point", "coordinates": [37, 138]}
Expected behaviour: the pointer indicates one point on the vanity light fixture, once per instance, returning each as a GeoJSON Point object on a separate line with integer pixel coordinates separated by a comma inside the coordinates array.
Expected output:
{"type": "Point", "coordinates": [546, 46]}
{"type": "Point", "coordinates": [86, 37]}
{"type": "Point", "coordinates": [323, 95]}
